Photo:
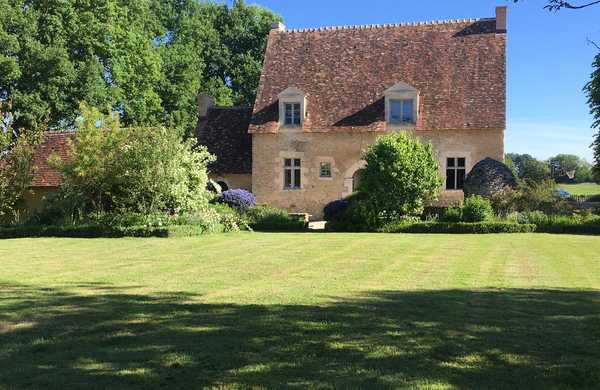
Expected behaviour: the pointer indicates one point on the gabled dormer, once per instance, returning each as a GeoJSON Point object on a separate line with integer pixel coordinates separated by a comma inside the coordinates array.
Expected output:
{"type": "Point", "coordinates": [401, 107]}
{"type": "Point", "coordinates": [292, 109]}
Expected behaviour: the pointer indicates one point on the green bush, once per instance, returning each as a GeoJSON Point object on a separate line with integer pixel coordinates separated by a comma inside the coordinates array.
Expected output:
{"type": "Point", "coordinates": [121, 170]}
{"type": "Point", "coordinates": [477, 209]}
{"type": "Point", "coordinates": [458, 227]}
{"type": "Point", "coordinates": [452, 214]}
{"type": "Point", "coordinates": [401, 176]}
{"type": "Point", "coordinates": [267, 218]}
{"type": "Point", "coordinates": [353, 218]}
{"type": "Point", "coordinates": [97, 231]}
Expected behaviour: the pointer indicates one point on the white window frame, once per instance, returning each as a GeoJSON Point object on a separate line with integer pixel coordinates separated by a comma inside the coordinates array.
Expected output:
{"type": "Point", "coordinates": [455, 168]}
{"type": "Point", "coordinates": [401, 91]}
{"type": "Point", "coordinates": [291, 96]}
{"type": "Point", "coordinates": [295, 169]}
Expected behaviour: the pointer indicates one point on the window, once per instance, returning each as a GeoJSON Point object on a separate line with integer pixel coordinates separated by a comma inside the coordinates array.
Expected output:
{"type": "Point", "coordinates": [401, 111]}
{"type": "Point", "coordinates": [401, 105]}
{"type": "Point", "coordinates": [292, 114]}
{"type": "Point", "coordinates": [325, 170]}
{"type": "Point", "coordinates": [291, 174]}
{"type": "Point", "coordinates": [455, 173]}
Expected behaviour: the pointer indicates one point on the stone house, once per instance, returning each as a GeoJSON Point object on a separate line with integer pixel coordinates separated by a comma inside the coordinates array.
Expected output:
{"type": "Point", "coordinates": [326, 94]}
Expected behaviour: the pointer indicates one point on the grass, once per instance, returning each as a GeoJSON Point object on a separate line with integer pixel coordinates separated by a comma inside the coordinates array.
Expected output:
{"type": "Point", "coordinates": [256, 310]}
{"type": "Point", "coordinates": [583, 189]}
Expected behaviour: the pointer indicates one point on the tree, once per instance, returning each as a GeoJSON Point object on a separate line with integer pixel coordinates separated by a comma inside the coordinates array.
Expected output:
{"type": "Point", "coordinates": [16, 166]}
{"type": "Point", "coordinates": [145, 59]}
{"type": "Point", "coordinates": [593, 91]}
{"type": "Point", "coordinates": [400, 177]}
{"type": "Point", "coordinates": [564, 167]}
{"type": "Point", "coordinates": [527, 167]}
{"type": "Point", "coordinates": [556, 5]}
{"type": "Point", "coordinates": [138, 169]}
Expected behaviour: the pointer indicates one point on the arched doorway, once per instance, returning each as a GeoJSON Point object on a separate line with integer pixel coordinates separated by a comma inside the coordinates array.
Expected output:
{"type": "Point", "coordinates": [352, 177]}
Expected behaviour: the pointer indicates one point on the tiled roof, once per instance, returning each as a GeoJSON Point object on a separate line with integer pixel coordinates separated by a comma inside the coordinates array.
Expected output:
{"type": "Point", "coordinates": [224, 131]}
{"type": "Point", "coordinates": [458, 67]}
{"type": "Point", "coordinates": [54, 142]}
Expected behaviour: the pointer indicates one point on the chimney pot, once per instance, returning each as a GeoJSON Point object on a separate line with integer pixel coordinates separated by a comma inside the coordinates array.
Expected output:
{"type": "Point", "coordinates": [205, 103]}
{"type": "Point", "coordinates": [501, 19]}
{"type": "Point", "coordinates": [278, 26]}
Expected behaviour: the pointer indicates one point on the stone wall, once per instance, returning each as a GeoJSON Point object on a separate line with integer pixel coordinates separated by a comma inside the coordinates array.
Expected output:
{"type": "Point", "coordinates": [343, 151]}
{"type": "Point", "coordinates": [235, 180]}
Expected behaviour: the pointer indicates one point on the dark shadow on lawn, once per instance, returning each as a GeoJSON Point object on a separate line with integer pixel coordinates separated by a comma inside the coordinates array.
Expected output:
{"type": "Point", "coordinates": [468, 339]}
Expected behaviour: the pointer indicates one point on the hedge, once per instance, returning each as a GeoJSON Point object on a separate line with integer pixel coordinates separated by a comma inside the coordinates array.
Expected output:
{"type": "Point", "coordinates": [98, 231]}
{"type": "Point", "coordinates": [583, 228]}
{"type": "Point", "coordinates": [458, 227]}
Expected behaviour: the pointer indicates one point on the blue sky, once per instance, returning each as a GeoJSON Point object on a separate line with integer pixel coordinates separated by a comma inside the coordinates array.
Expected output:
{"type": "Point", "coordinates": [549, 59]}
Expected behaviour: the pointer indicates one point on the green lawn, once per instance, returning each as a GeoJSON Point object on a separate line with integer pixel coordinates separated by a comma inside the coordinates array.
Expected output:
{"type": "Point", "coordinates": [301, 311]}
{"type": "Point", "coordinates": [586, 189]}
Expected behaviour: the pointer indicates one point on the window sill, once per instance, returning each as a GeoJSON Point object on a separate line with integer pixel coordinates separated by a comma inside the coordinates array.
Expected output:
{"type": "Point", "coordinates": [399, 127]}
{"type": "Point", "coordinates": [326, 178]}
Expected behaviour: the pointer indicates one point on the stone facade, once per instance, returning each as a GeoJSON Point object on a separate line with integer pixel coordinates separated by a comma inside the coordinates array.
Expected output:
{"type": "Point", "coordinates": [343, 151]}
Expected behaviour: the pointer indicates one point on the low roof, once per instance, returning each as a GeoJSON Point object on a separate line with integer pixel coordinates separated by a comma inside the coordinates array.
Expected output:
{"type": "Point", "coordinates": [54, 142]}
{"type": "Point", "coordinates": [458, 67]}
{"type": "Point", "coordinates": [224, 131]}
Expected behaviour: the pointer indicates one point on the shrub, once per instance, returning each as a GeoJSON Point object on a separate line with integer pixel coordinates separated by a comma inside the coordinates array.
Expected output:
{"type": "Point", "coordinates": [96, 231]}
{"type": "Point", "coordinates": [400, 177]}
{"type": "Point", "coordinates": [334, 209]}
{"type": "Point", "coordinates": [116, 169]}
{"type": "Point", "coordinates": [267, 218]}
{"type": "Point", "coordinates": [489, 177]}
{"type": "Point", "coordinates": [354, 218]}
{"type": "Point", "coordinates": [238, 199]}
{"type": "Point", "coordinates": [458, 227]}
{"type": "Point", "coordinates": [477, 209]}
{"type": "Point", "coordinates": [452, 214]}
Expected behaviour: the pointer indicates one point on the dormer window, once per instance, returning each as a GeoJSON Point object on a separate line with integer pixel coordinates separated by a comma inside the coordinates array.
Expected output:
{"type": "Point", "coordinates": [292, 108]}
{"type": "Point", "coordinates": [401, 106]}
{"type": "Point", "coordinates": [292, 114]}
{"type": "Point", "coordinates": [401, 111]}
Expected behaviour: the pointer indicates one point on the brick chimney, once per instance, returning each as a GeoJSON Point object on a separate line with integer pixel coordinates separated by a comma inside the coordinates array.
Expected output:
{"type": "Point", "coordinates": [501, 19]}
{"type": "Point", "coordinates": [205, 103]}
{"type": "Point", "coordinates": [278, 26]}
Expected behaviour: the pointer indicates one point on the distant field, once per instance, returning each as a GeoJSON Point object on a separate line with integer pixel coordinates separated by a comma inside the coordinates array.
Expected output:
{"type": "Point", "coordinates": [581, 189]}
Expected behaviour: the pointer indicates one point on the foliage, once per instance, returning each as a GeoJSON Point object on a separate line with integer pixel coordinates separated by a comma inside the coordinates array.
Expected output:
{"type": "Point", "coordinates": [17, 151]}
{"type": "Point", "coordinates": [527, 167]}
{"type": "Point", "coordinates": [488, 178]}
{"type": "Point", "coordinates": [238, 199]}
{"type": "Point", "coordinates": [592, 89]}
{"type": "Point", "coordinates": [145, 170]}
{"type": "Point", "coordinates": [334, 209]}
{"type": "Point", "coordinates": [477, 209]}
{"type": "Point", "coordinates": [568, 168]}
{"type": "Point", "coordinates": [146, 59]}
{"type": "Point", "coordinates": [400, 177]}
{"type": "Point", "coordinates": [267, 218]}
{"type": "Point", "coordinates": [356, 217]}
{"type": "Point", "coordinates": [540, 196]}
{"type": "Point", "coordinates": [96, 231]}
{"type": "Point", "coordinates": [458, 227]}
{"type": "Point", "coordinates": [452, 213]}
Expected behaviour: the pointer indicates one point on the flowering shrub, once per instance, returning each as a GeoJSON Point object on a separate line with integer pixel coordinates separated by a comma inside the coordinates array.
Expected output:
{"type": "Point", "coordinates": [334, 209]}
{"type": "Point", "coordinates": [239, 200]}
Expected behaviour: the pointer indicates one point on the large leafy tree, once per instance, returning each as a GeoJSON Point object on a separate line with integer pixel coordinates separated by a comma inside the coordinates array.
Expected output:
{"type": "Point", "coordinates": [145, 59]}
{"type": "Point", "coordinates": [527, 167]}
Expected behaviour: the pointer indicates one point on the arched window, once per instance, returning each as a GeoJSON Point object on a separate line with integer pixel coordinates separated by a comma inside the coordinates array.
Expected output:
{"type": "Point", "coordinates": [356, 177]}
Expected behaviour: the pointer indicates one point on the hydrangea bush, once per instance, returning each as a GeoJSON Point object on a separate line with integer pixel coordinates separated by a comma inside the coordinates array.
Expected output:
{"type": "Point", "coordinates": [238, 199]}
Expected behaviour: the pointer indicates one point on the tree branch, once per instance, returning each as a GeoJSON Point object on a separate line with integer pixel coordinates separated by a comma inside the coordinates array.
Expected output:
{"type": "Point", "coordinates": [556, 5]}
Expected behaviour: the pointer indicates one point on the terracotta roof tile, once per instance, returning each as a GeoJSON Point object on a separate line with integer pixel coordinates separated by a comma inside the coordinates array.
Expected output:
{"type": "Point", "coordinates": [54, 142]}
{"type": "Point", "coordinates": [225, 133]}
{"type": "Point", "coordinates": [459, 68]}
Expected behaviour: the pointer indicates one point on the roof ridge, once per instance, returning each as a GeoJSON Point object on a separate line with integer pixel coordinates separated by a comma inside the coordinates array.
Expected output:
{"type": "Point", "coordinates": [388, 25]}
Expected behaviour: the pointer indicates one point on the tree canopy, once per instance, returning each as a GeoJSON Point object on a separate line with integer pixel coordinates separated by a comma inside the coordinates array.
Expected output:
{"type": "Point", "coordinates": [145, 59]}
